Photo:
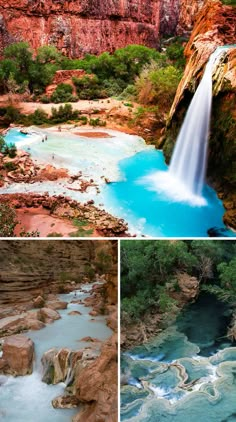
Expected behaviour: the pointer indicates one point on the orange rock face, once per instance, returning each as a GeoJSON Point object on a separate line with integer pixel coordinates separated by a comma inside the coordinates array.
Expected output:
{"type": "Point", "coordinates": [188, 12]}
{"type": "Point", "coordinates": [78, 27]}
{"type": "Point", "coordinates": [96, 386]}
{"type": "Point", "coordinates": [215, 26]}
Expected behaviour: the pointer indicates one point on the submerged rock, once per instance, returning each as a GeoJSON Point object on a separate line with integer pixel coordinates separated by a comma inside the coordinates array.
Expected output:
{"type": "Point", "coordinates": [18, 353]}
{"type": "Point", "coordinates": [74, 313]}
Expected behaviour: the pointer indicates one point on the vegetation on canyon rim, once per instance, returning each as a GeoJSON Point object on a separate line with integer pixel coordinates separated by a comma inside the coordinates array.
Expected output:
{"type": "Point", "coordinates": [149, 273]}
{"type": "Point", "coordinates": [135, 72]}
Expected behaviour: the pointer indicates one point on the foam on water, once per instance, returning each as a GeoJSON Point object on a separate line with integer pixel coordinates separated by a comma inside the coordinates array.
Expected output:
{"type": "Point", "coordinates": [30, 398]}
{"type": "Point", "coordinates": [186, 384]}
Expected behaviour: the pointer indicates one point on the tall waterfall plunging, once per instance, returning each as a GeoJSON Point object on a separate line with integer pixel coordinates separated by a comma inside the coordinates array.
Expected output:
{"type": "Point", "coordinates": [185, 178]}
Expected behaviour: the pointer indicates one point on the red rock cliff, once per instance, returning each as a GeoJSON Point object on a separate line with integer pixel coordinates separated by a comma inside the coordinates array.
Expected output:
{"type": "Point", "coordinates": [215, 26]}
{"type": "Point", "coordinates": [77, 27]}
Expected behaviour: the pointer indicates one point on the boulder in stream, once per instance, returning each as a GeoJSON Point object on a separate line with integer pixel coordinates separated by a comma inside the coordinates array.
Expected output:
{"type": "Point", "coordinates": [56, 305]}
{"type": "Point", "coordinates": [18, 354]}
{"type": "Point", "coordinates": [48, 315]}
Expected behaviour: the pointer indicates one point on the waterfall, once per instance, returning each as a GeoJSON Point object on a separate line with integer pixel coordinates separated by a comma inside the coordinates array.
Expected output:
{"type": "Point", "coordinates": [188, 163]}
{"type": "Point", "coordinates": [184, 181]}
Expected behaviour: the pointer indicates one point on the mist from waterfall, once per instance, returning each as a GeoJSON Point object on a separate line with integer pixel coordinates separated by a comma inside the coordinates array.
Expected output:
{"type": "Point", "coordinates": [184, 181]}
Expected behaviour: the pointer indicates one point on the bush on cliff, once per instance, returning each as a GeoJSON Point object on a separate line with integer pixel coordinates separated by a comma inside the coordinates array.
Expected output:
{"type": "Point", "coordinates": [157, 85]}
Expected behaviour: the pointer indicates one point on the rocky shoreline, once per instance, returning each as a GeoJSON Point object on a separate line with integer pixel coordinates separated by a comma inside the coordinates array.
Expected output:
{"type": "Point", "coordinates": [66, 208]}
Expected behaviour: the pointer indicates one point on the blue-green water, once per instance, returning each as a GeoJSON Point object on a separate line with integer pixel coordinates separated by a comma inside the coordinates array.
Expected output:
{"type": "Point", "coordinates": [187, 373]}
{"type": "Point", "coordinates": [154, 213]}
{"type": "Point", "coordinates": [28, 399]}
{"type": "Point", "coordinates": [127, 161]}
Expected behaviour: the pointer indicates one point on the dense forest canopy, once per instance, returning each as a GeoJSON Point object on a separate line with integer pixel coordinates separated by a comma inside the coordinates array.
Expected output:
{"type": "Point", "coordinates": [149, 271]}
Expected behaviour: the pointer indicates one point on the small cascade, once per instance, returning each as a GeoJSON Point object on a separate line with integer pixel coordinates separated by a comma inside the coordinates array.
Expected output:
{"type": "Point", "coordinates": [70, 372]}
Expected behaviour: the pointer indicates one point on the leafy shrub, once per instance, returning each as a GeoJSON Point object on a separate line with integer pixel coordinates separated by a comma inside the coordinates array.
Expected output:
{"type": "Point", "coordinates": [12, 115]}
{"type": "Point", "coordinates": [175, 52]}
{"type": "Point", "coordinates": [11, 150]}
{"type": "Point", "coordinates": [81, 228]}
{"type": "Point", "coordinates": [55, 234]}
{"type": "Point", "coordinates": [63, 114]}
{"type": "Point", "coordinates": [8, 220]}
{"type": "Point", "coordinates": [157, 85]}
{"type": "Point", "coordinates": [39, 117]}
{"type": "Point", "coordinates": [129, 93]}
{"type": "Point", "coordinates": [62, 94]}
{"type": "Point", "coordinates": [10, 166]}
{"type": "Point", "coordinates": [229, 2]}
{"type": "Point", "coordinates": [7, 149]}
{"type": "Point", "coordinates": [89, 272]}
{"type": "Point", "coordinates": [97, 122]}
{"type": "Point", "coordinates": [83, 119]}
{"type": "Point", "coordinates": [89, 88]}
{"type": "Point", "coordinates": [45, 99]}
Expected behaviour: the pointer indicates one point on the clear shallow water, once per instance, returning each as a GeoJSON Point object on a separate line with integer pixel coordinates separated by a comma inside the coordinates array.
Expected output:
{"type": "Point", "coordinates": [27, 398]}
{"type": "Point", "coordinates": [178, 377]}
{"type": "Point", "coordinates": [129, 161]}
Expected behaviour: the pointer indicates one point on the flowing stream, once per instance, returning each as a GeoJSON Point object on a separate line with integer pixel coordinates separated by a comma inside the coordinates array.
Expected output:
{"type": "Point", "coordinates": [187, 373]}
{"type": "Point", "coordinates": [28, 398]}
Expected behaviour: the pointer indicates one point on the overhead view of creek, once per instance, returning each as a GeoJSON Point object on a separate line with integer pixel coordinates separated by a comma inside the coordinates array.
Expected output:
{"type": "Point", "coordinates": [186, 373]}
{"type": "Point", "coordinates": [130, 165]}
{"type": "Point", "coordinates": [27, 398]}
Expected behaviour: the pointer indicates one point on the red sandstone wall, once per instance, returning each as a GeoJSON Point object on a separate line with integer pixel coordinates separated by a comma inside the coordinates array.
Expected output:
{"type": "Point", "coordinates": [77, 27]}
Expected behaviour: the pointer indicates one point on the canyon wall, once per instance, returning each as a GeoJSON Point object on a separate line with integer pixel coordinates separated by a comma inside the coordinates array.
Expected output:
{"type": "Point", "coordinates": [31, 268]}
{"type": "Point", "coordinates": [77, 27]}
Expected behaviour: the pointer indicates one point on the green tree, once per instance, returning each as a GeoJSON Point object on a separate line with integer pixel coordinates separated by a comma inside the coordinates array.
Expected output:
{"type": "Point", "coordinates": [21, 54]}
{"type": "Point", "coordinates": [48, 54]}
